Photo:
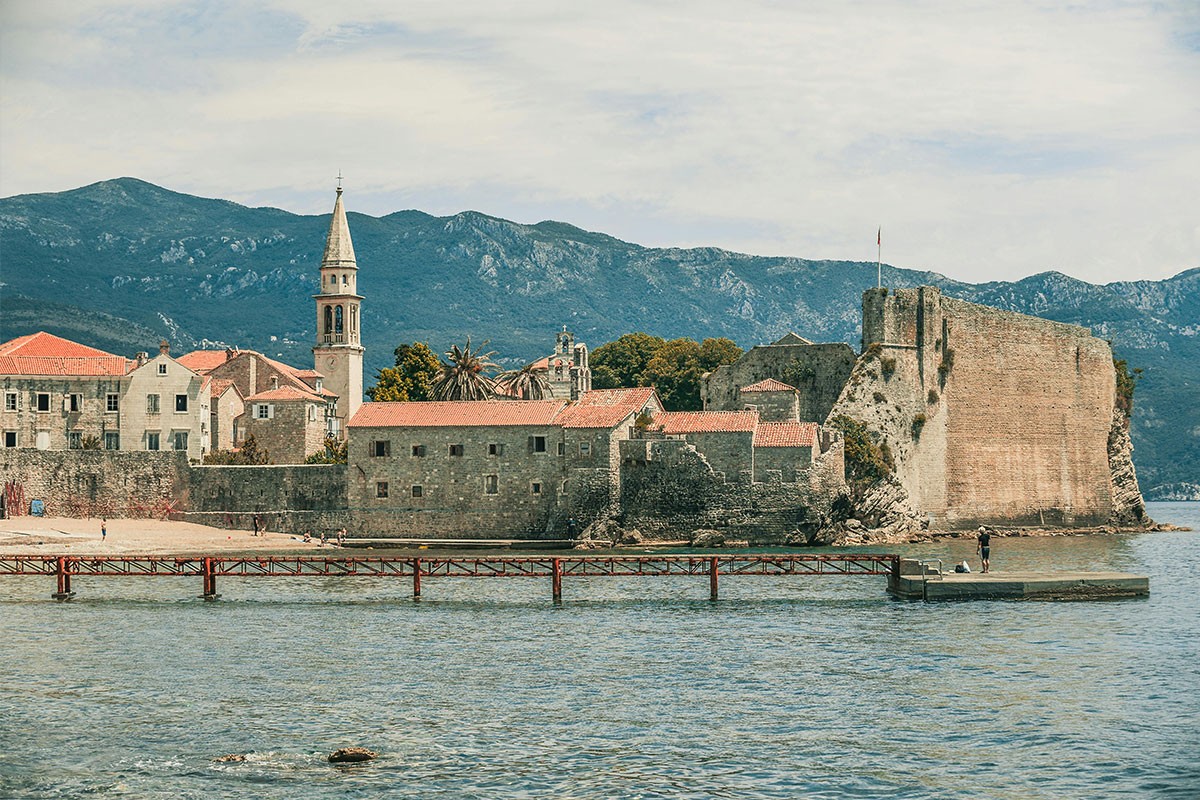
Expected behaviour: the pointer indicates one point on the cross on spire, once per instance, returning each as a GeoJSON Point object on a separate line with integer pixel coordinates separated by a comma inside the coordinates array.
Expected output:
{"type": "Point", "coordinates": [339, 186]}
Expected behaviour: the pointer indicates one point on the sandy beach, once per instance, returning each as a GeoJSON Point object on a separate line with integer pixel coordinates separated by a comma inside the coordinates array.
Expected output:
{"type": "Point", "coordinates": [70, 536]}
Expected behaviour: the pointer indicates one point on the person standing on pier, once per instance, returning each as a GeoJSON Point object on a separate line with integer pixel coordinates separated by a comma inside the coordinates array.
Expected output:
{"type": "Point", "coordinates": [983, 546]}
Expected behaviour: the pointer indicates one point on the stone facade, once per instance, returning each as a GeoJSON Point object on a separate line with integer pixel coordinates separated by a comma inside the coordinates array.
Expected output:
{"type": "Point", "coordinates": [291, 498]}
{"type": "Point", "coordinates": [98, 483]}
{"type": "Point", "coordinates": [817, 371]}
{"type": "Point", "coordinates": [993, 417]}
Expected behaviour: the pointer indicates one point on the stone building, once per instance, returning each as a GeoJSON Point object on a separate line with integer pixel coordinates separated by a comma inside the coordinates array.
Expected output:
{"type": "Point", "coordinates": [566, 369]}
{"type": "Point", "coordinates": [817, 371]}
{"type": "Point", "coordinates": [61, 395]}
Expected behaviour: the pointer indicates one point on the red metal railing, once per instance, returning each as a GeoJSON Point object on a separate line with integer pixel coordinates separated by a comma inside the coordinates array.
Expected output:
{"type": "Point", "coordinates": [209, 568]}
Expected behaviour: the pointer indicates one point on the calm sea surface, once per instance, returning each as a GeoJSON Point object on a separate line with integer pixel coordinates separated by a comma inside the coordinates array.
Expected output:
{"type": "Point", "coordinates": [789, 687]}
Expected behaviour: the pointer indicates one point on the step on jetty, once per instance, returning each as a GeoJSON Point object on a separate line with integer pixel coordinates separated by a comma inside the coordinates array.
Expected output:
{"type": "Point", "coordinates": [928, 580]}
{"type": "Point", "coordinates": [907, 578]}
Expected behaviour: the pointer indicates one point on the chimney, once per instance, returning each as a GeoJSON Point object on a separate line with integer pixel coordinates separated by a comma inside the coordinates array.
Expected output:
{"type": "Point", "coordinates": [230, 353]}
{"type": "Point", "coordinates": [141, 358]}
{"type": "Point", "coordinates": [164, 348]}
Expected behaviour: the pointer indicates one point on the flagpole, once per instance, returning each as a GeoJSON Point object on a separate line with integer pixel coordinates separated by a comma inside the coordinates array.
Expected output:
{"type": "Point", "coordinates": [879, 258]}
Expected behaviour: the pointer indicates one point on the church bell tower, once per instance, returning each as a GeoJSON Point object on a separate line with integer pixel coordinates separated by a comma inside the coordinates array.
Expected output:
{"type": "Point", "coordinates": [338, 354]}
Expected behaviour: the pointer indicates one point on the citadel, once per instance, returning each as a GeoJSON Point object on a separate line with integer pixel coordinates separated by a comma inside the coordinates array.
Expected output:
{"type": "Point", "coordinates": [987, 417]}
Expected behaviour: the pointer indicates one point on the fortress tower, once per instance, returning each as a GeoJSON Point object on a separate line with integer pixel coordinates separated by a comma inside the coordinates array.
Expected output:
{"type": "Point", "coordinates": [338, 354]}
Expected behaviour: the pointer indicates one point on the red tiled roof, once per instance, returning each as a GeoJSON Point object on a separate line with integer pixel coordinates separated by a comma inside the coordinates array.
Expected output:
{"type": "Point", "coordinates": [706, 421]}
{"type": "Point", "coordinates": [605, 408]}
{"type": "Point", "coordinates": [786, 434]}
{"type": "Point", "coordinates": [457, 413]}
{"type": "Point", "coordinates": [769, 385]}
{"type": "Point", "coordinates": [285, 394]}
{"type": "Point", "coordinates": [45, 354]}
{"type": "Point", "coordinates": [202, 361]}
{"type": "Point", "coordinates": [221, 385]}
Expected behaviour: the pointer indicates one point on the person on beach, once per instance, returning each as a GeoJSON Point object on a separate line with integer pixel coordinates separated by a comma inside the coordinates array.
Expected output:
{"type": "Point", "coordinates": [257, 526]}
{"type": "Point", "coordinates": [341, 537]}
{"type": "Point", "coordinates": [103, 529]}
{"type": "Point", "coordinates": [983, 546]}
{"type": "Point", "coordinates": [307, 537]}
{"type": "Point", "coordinates": [323, 535]}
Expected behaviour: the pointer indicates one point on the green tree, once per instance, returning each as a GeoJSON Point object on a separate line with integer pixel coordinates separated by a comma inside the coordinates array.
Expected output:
{"type": "Point", "coordinates": [412, 378]}
{"type": "Point", "coordinates": [526, 383]}
{"type": "Point", "coordinates": [675, 372]}
{"type": "Point", "coordinates": [247, 454]}
{"type": "Point", "coordinates": [622, 362]}
{"type": "Point", "coordinates": [715, 352]}
{"type": "Point", "coordinates": [332, 452]}
{"type": "Point", "coordinates": [867, 463]}
{"type": "Point", "coordinates": [465, 374]}
{"type": "Point", "coordinates": [1126, 383]}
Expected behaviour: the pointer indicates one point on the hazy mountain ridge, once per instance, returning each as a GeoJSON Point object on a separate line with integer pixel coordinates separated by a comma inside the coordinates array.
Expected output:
{"type": "Point", "coordinates": [122, 263]}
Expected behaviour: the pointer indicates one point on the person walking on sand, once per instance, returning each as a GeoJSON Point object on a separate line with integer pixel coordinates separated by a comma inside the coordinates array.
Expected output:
{"type": "Point", "coordinates": [103, 529]}
{"type": "Point", "coordinates": [983, 546]}
{"type": "Point", "coordinates": [341, 537]}
{"type": "Point", "coordinates": [257, 526]}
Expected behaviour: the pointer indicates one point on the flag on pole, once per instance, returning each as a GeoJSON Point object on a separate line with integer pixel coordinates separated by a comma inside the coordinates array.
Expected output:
{"type": "Point", "coordinates": [879, 236]}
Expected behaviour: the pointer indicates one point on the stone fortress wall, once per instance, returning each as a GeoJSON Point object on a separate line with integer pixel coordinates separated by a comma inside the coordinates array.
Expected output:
{"type": "Point", "coordinates": [818, 371]}
{"type": "Point", "coordinates": [993, 417]}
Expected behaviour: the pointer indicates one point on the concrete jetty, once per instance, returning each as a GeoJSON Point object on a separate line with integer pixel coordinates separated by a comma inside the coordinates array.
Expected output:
{"type": "Point", "coordinates": [918, 580]}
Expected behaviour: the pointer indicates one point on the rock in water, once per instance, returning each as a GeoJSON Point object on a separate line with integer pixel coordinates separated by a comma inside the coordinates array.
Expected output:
{"type": "Point", "coordinates": [706, 537]}
{"type": "Point", "coordinates": [232, 758]}
{"type": "Point", "coordinates": [351, 754]}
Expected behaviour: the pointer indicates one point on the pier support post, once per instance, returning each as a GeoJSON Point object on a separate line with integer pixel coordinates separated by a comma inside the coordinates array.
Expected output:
{"type": "Point", "coordinates": [64, 580]}
{"type": "Point", "coordinates": [210, 580]}
{"type": "Point", "coordinates": [712, 578]}
{"type": "Point", "coordinates": [416, 566]}
{"type": "Point", "coordinates": [557, 580]}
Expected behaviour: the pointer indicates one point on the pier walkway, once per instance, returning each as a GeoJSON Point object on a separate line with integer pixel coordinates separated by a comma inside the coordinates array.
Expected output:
{"type": "Point", "coordinates": [209, 568]}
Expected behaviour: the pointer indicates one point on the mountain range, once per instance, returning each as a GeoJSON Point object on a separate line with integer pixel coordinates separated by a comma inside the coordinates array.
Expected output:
{"type": "Point", "coordinates": [122, 263]}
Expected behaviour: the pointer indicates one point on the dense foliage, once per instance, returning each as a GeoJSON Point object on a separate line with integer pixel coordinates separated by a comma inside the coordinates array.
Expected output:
{"type": "Point", "coordinates": [1126, 383]}
{"type": "Point", "coordinates": [248, 454]}
{"type": "Point", "coordinates": [412, 378]}
{"type": "Point", "coordinates": [526, 383]}
{"type": "Point", "coordinates": [867, 462]}
{"type": "Point", "coordinates": [332, 452]}
{"type": "Point", "coordinates": [672, 367]}
{"type": "Point", "coordinates": [465, 374]}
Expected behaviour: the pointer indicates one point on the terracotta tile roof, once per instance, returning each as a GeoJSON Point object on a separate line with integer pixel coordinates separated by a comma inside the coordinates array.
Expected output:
{"type": "Point", "coordinates": [457, 413]}
{"type": "Point", "coordinates": [202, 361]}
{"type": "Point", "coordinates": [769, 385]}
{"type": "Point", "coordinates": [45, 354]}
{"type": "Point", "coordinates": [706, 421]}
{"type": "Point", "coordinates": [786, 434]}
{"type": "Point", "coordinates": [285, 394]}
{"type": "Point", "coordinates": [221, 385]}
{"type": "Point", "coordinates": [605, 408]}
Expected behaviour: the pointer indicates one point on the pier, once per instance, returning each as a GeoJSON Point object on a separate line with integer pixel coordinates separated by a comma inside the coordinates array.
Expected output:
{"type": "Point", "coordinates": [920, 580]}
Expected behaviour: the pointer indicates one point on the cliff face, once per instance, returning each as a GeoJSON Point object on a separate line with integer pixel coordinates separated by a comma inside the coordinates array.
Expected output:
{"type": "Point", "coordinates": [992, 417]}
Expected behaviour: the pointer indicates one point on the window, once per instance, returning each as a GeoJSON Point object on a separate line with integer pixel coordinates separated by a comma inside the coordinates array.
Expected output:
{"type": "Point", "coordinates": [180, 402]}
{"type": "Point", "coordinates": [564, 487]}
{"type": "Point", "coordinates": [162, 369]}
{"type": "Point", "coordinates": [152, 440]}
{"type": "Point", "coordinates": [345, 279]}
{"type": "Point", "coordinates": [312, 413]}
{"type": "Point", "coordinates": [329, 317]}
{"type": "Point", "coordinates": [10, 438]}
{"type": "Point", "coordinates": [112, 440]}
{"type": "Point", "coordinates": [537, 444]}
{"type": "Point", "coordinates": [43, 401]}
{"type": "Point", "coordinates": [562, 448]}
{"type": "Point", "coordinates": [74, 440]}
{"type": "Point", "coordinates": [112, 403]}
{"type": "Point", "coordinates": [456, 450]}
{"type": "Point", "coordinates": [74, 403]}
{"type": "Point", "coordinates": [180, 440]}
{"type": "Point", "coordinates": [338, 324]}
{"type": "Point", "coordinates": [418, 451]}
{"type": "Point", "coordinates": [10, 401]}
{"type": "Point", "coordinates": [381, 448]}
{"type": "Point", "coordinates": [264, 411]}
{"type": "Point", "coordinates": [418, 491]}
{"type": "Point", "coordinates": [535, 488]}
{"type": "Point", "coordinates": [495, 449]}
{"type": "Point", "coordinates": [151, 404]}
{"type": "Point", "coordinates": [491, 484]}
{"type": "Point", "coordinates": [585, 449]}
{"type": "Point", "coordinates": [381, 489]}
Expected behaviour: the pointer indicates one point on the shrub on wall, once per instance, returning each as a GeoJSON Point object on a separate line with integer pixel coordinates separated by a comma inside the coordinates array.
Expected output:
{"type": "Point", "coordinates": [887, 366]}
{"type": "Point", "coordinates": [866, 462]}
{"type": "Point", "coordinates": [918, 424]}
{"type": "Point", "coordinates": [933, 397]}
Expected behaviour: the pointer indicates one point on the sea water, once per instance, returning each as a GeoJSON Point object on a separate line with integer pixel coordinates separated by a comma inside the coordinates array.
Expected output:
{"type": "Point", "coordinates": [639, 688]}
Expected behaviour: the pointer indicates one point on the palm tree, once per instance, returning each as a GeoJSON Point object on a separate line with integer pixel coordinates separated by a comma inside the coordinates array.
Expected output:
{"type": "Point", "coordinates": [526, 383]}
{"type": "Point", "coordinates": [464, 377]}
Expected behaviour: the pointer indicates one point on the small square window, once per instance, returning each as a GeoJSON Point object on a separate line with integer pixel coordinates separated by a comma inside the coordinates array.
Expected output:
{"type": "Point", "coordinates": [152, 440]}
{"type": "Point", "coordinates": [162, 369]}
{"type": "Point", "coordinates": [564, 487]}
{"type": "Point", "coordinates": [112, 440]}
{"type": "Point", "coordinates": [562, 448]}
{"type": "Point", "coordinates": [10, 438]}
{"type": "Point", "coordinates": [535, 488]}
{"type": "Point", "coordinates": [381, 449]}
{"type": "Point", "coordinates": [151, 404]}
{"type": "Point", "coordinates": [456, 450]}
{"type": "Point", "coordinates": [491, 484]}
{"type": "Point", "coordinates": [10, 401]}
{"type": "Point", "coordinates": [585, 449]}
{"type": "Point", "coordinates": [74, 440]}
{"type": "Point", "coordinates": [418, 491]}
{"type": "Point", "coordinates": [112, 403]}
{"type": "Point", "coordinates": [264, 411]}
{"type": "Point", "coordinates": [381, 489]}
{"type": "Point", "coordinates": [181, 402]}
{"type": "Point", "coordinates": [43, 401]}
{"type": "Point", "coordinates": [75, 403]}
{"type": "Point", "coordinates": [495, 449]}
{"type": "Point", "coordinates": [537, 444]}
{"type": "Point", "coordinates": [418, 451]}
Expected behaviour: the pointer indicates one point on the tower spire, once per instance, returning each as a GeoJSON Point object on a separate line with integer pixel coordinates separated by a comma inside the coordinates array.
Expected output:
{"type": "Point", "coordinates": [339, 249]}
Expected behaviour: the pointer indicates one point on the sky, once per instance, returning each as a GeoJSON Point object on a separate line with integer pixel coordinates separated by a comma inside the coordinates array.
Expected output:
{"type": "Point", "coordinates": [989, 140]}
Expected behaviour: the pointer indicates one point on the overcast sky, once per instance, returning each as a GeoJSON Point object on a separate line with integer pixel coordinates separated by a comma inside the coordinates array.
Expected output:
{"type": "Point", "coordinates": [990, 140]}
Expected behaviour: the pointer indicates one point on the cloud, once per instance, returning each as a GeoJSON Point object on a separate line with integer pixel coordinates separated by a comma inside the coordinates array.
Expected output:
{"type": "Point", "coordinates": [990, 141]}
